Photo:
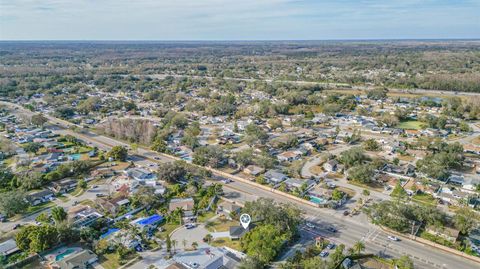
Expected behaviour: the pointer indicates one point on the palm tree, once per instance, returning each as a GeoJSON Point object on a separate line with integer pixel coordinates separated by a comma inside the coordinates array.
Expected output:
{"type": "Point", "coordinates": [194, 245]}
{"type": "Point", "coordinates": [174, 243]}
{"type": "Point", "coordinates": [184, 243]}
{"type": "Point", "coordinates": [359, 247]}
{"type": "Point", "coordinates": [208, 238]}
{"type": "Point", "coordinates": [169, 243]}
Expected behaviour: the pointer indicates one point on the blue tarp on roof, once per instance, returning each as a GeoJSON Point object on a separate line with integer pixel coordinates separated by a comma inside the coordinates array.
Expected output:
{"type": "Point", "coordinates": [150, 220]}
{"type": "Point", "coordinates": [109, 232]}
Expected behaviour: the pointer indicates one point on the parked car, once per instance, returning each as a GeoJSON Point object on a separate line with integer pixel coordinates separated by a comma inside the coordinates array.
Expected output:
{"type": "Point", "coordinates": [323, 254]}
{"type": "Point", "coordinates": [310, 225]}
{"type": "Point", "coordinates": [16, 226]}
{"type": "Point", "coordinates": [190, 225]}
{"type": "Point", "coordinates": [331, 246]}
{"type": "Point", "coordinates": [345, 213]}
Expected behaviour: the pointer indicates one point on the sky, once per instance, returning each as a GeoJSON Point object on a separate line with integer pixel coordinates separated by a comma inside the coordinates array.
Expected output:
{"type": "Point", "coordinates": [238, 19]}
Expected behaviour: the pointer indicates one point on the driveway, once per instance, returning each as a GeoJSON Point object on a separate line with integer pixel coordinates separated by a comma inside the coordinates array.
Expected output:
{"type": "Point", "coordinates": [190, 235]}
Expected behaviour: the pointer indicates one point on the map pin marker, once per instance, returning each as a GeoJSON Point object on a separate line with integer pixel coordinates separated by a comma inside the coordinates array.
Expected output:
{"type": "Point", "coordinates": [245, 220]}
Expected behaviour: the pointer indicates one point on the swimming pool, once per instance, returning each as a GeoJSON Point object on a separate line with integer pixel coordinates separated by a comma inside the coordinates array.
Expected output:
{"type": "Point", "coordinates": [75, 157]}
{"type": "Point", "coordinates": [317, 200]}
{"type": "Point", "coordinates": [67, 252]}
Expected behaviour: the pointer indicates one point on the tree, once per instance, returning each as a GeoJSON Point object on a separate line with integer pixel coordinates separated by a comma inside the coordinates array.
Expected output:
{"type": "Point", "coordinates": [194, 245]}
{"type": "Point", "coordinates": [172, 172]}
{"type": "Point", "coordinates": [34, 239]}
{"type": "Point", "coordinates": [174, 244]}
{"type": "Point", "coordinates": [145, 196]}
{"type": "Point", "coordinates": [371, 145]}
{"type": "Point", "coordinates": [168, 242]}
{"type": "Point", "coordinates": [32, 147]}
{"type": "Point", "coordinates": [119, 153]}
{"type": "Point", "coordinates": [39, 120]}
{"type": "Point", "coordinates": [284, 216]}
{"type": "Point", "coordinates": [250, 263]}
{"type": "Point", "coordinates": [404, 263]}
{"type": "Point", "coordinates": [244, 157]}
{"type": "Point", "coordinates": [377, 94]}
{"type": "Point", "coordinates": [353, 156]}
{"type": "Point", "coordinates": [359, 246]}
{"type": "Point", "coordinates": [82, 184]}
{"type": "Point", "coordinates": [255, 134]}
{"type": "Point", "coordinates": [43, 218]}
{"type": "Point", "coordinates": [12, 202]}
{"type": "Point", "coordinates": [337, 195]}
{"type": "Point", "coordinates": [59, 214]}
{"type": "Point", "coordinates": [184, 243]}
{"type": "Point", "coordinates": [399, 191]}
{"type": "Point", "coordinates": [365, 192]}
{"type": "Point", "coordinates": [263, 243]}
{"type": "Point", "coordinates": [464, 220]}
{"type": "Point", "coordinates": [362, 173]}
{"type": "Point", "coordinates": [212, 156]}
{"type": "Point", "coordinates": [208, 238]}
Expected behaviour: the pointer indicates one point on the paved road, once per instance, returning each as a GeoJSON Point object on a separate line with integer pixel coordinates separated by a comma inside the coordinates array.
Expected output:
{"type": "Point", "coordinates": [350, 229]}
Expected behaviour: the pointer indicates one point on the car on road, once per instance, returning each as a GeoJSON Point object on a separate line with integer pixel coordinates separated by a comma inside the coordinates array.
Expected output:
{"type": "Point", "coordinates": [310, 225]}
{"type": "Point", "coordinates": [101, 195]}
{"type": "Point", "coordinates": [94, 186]}
{"type": "Point", "coordinates": [76, 203]}
{"type": "Point", "coordinates": [16, 226]}
{"type": "Point", "coordinates": [156, 158]}
{"type": "Point", "coordinates": [226, 181]}
{"type": "Point", "coordinates": [332, 229]}
{"type": "Point", "coordinates": [190, 225]}
{"type": "Point", "coordinates": [331, 246]}
{"type": "Point", "coordinates": [393, 238]}
{"type": "Point", "coordinates": [324, 254]}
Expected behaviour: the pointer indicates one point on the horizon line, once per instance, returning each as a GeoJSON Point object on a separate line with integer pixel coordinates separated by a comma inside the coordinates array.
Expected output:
{"type": "Point", "coordinates": [238, 40]}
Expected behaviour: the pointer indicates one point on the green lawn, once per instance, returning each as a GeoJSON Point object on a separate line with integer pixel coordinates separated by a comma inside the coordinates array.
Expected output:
{"type": "Point", "coordinates": [32, 209]}
{"type": "Point", "coordinates": [112, 261]}
{"type": "Point", "coordinates": [424, 198]}
{"type": "Point", "coordinates": [221, 225]}
{"type": "Point", "coordinates": [77, 192]}
{"type": "Point", "coordinates": [220, 242]}
{"type": "Point", "coordinates": [410, 125]}
{"type": "Point", "coordinates": [167, 229]}
{"type": "Point", "coordinates": [206, 216]}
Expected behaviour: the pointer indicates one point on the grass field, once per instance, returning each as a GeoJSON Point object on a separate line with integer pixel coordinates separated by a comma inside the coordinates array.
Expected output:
{"type": "Point", "coordinates": [410, 125]}
{"type": "Point", "coordinates": [424, 198]}
{"type": "Point", "coordinates": [219, 242]}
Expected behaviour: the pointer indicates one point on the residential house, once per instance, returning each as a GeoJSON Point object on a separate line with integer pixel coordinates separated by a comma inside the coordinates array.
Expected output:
{"type": "Point", "coordinates": [447, 233]}
{"type": "Point", "coordinates": [289, 156]}
{"type": "Point", "coordinates": [293, 183]}
{"type": "Point", "coordinates": [64, 186]}
{"type": "Point", "coordinates": [236, 232]}
{"type": "Point", "coordinates": [253, 170]}
{"type": "Point", "coordinates": [148, 223]}
{"type": "Point", "coordinates": [274, 176]}
{"type": "Point", "coordinates": [142, 175]}
{"type": "Point", "coordinates": [474, 240]}
{"type": "Point", "coordinates": [8, 248]}
{"type": "Point", "coordinates": [330, 166]}
{"type": "Point", "coordinates": [83, 216]}
{"type": "Point", "coordinates": [227, 208]}
{"type": "Point", "coordinates": [186, 204]}
{"type": "Point", "coordinates": [78, 260]}
{"type": "Point", "coordinates": [40, 197]}
{"type": "Point", "coordinates": [112, 205]}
